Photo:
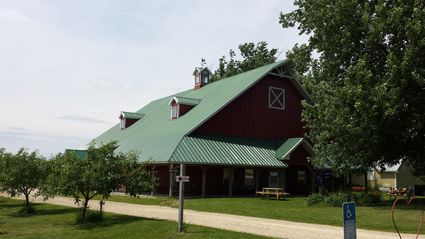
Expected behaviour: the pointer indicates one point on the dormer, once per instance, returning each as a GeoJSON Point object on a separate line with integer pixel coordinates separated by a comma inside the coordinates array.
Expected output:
{"type": "Point", "coordinates": [129, 118]}
{"type": "Point", "coordinates": [181, 105]}
{"type": "Point", "coordinates": [202, 76]}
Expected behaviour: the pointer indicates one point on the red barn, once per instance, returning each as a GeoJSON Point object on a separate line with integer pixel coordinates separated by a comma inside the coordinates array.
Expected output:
{"type": "Point", "coordinates": [234, 136]}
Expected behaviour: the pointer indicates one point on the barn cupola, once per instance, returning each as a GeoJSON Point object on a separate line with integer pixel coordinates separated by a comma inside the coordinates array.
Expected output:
{"type": "Point", "coordinates": [202, 75]}
{"type": "Point", "coordinates": [129, 118]}
{"type": "Point", "coordinates": [181, 105]}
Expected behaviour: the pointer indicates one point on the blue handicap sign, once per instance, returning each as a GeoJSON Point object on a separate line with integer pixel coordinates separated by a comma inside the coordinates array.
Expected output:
{"type": "Point", "coordinates": [349, 220]}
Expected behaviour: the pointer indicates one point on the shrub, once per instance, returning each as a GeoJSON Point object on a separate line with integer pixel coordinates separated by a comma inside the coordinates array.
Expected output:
{"type": "Point", "coordinates": [335, 199]}
{"type": "Point", "coordinates": [368, 198]}
{"type": "Point", "coordinates": [315, 199]}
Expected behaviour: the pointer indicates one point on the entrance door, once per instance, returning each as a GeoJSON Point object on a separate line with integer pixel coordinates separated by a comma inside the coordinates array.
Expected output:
{"type": "Point", "coordinates": [274, 179]}
{"type": "Point", "coordinates": [249, 181]}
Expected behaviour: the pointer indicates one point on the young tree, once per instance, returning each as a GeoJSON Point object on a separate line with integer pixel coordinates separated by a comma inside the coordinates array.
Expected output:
{"type": "Point", "coordinates": [367, 79]}
{"type": "Point", "coordinates": [97, 171]}
{"type": "Point", "coordinates": [253, 56]}
{"type": "Point", "coordinates": [22, 173]}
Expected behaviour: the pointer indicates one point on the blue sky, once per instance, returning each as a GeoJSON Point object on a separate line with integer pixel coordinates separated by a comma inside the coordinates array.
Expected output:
{"type": "Point", "coordinates": [67, 68]}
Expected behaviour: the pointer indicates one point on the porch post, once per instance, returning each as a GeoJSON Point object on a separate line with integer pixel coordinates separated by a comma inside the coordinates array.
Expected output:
{"type": "Point", "coordinates": [257, 179]}
{"type": "Point", "coordinates": [204, 180]}
{"type": "Point", "coordinates": [172, 178]}
{"type": "Point", "coordinates": [231, 182]}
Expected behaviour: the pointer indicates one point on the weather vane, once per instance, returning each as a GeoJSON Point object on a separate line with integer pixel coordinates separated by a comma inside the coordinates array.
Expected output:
{"type": "Point", "coordinates": [203, 62]}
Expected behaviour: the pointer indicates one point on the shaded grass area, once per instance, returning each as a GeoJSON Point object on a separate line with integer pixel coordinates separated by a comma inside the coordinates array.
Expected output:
{"type": "Point", "coordinates": [50, 221]}
{"type": "Point", "coordinates": [294, 209]}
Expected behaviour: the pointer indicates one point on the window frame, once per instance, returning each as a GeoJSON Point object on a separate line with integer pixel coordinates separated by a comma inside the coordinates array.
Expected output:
{"type": "Point", "coordinates": [122, 123]}
{"type": "Point", "coordinates": [272, 102]}
{"type": "Point", "coordinates": [175, 111]}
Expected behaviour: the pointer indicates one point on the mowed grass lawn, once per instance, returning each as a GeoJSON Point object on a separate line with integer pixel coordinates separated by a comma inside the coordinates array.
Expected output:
{"type": "Point", "coordinates": [51, 221]}
{"type": "Point", "coordinates": [294, 209]}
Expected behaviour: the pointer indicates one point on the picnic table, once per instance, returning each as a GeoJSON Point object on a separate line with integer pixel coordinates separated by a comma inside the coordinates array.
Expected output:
{"type": "Point", "coordinates": [397, 193]}
{"type": "Point", "coordinates": [275, 192]}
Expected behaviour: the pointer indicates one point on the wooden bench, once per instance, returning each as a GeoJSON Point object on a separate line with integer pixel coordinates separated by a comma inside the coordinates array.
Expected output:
{"type": "Point", "coordinates": [275, 192]}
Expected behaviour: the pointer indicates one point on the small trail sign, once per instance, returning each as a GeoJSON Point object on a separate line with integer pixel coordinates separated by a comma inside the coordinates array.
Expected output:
{"type": "Point", "coordinates": [182, 179]}
{"type": "Point", "coordinates": [349, 220]}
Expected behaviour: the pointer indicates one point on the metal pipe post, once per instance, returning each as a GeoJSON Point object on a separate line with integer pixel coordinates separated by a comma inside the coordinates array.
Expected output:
{"type": "Point", "coordinates": [181, 199]}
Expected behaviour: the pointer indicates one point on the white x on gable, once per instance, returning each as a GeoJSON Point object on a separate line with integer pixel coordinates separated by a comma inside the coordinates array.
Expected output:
{"type": "Point", "coordinates": [276, 98]}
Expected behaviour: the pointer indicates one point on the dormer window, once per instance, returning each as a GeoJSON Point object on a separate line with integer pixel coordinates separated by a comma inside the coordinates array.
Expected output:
{"type": "Point", "coordinates": [181, 105]}
{"type": "Point", "coordinates": [174, 111]}
{"type": "Point", "coordinates": [205, 78]}
{"type": "Point", "coordinates": [128, 118]}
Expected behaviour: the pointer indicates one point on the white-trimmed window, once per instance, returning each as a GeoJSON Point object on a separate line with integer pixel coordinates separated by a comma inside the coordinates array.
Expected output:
{"type": "Point", "coordinates": [276, 98]}
{"type": "Point", "coordinates": [174, 111]}
{"type": "Point", "coordinates": [122, 123]}
{"type": "Point", "coordinates": [205, 78]}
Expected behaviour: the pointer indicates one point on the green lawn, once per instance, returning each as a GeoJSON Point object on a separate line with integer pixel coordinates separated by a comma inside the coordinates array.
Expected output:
{"type": "Point", "coordinates": [294, 209]}
{"type": "Point", "coordinates": [51, 221]}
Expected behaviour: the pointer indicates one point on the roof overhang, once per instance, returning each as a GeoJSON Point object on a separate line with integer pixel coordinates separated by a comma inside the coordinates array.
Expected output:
{"type": "Point", "coordinates": [184, 100]}
{"type": "Point", "coordinates": [131, 115]}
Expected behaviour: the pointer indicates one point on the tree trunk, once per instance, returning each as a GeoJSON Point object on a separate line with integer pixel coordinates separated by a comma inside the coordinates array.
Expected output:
{"type": "Point", "coordinates": [365, 182]}
{"type": "Point", "coordinates": [27, 203]}
{"type": "Point", "coordinates": [349, 182]}
{"type": "Point", "coordinates": [83, 214]}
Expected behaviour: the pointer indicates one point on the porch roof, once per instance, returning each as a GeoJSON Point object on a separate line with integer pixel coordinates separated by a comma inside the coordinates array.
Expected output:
{"type": "Point", "coordinates": [219, 150]}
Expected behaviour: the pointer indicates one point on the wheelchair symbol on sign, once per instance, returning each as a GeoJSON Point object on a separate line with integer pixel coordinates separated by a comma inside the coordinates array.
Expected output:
{"type": "Point", "coordinates": [348, 214]}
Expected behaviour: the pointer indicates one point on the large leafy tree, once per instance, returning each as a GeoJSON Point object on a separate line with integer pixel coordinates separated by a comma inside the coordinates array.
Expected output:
{"type": "Point", "coordinates": [22, 174]}
{"type": "Point", "coordinates": [99, 171]}
{"type": "Point", "coordinates": [252, 56]}
{"type": "Point", "coordinates": [364, 65]}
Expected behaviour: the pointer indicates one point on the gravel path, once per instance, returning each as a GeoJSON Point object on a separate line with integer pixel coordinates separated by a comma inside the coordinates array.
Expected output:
{"type": "Point", "coordinates": [252, 225]}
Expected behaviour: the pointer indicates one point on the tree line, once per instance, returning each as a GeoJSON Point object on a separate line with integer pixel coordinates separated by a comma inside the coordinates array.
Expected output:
{"type": "Point", "coordinates": [97, 171]}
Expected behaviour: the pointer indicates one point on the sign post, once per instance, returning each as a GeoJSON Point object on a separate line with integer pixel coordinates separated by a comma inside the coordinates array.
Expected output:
{"type": "Point", "coordinates": [181, 179]}
{"type": "Point", "coordinates": [349, 220]}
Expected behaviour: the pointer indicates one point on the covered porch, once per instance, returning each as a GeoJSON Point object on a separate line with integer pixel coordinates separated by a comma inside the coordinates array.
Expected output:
{"type": "Point", "coordinates": [223, 166]}
{"type": "Point", "coordinates": [218, 181]}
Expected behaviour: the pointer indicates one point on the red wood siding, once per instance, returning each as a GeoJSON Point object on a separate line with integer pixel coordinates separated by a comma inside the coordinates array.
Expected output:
{"type": "Point", "coordinates": [298, 157]}
{"type": "Point", "coordinates": [184, 109]}
{"type": "Point", "coordinates": [129, 122]}
{"type": "Point", "coordinates": [298, 162]}
{"type": "Point", "coordinates": [162, 174]}
{"type": "Point", "coordinates": [250, 116]}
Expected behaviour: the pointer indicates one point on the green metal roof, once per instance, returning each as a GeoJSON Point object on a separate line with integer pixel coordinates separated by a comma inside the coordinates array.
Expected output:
{"type": "Point", "coordinates": [186, 100]}
{"type": "Point", "coordinates": [81, 154]}
{"type": "Point", "coordinates": [200, 69]}
{"type": "Point", "coordinates": [131, 115]}
{"type": "Point", "coordinates": [216, 150]}
{"type": "Point", "coordinates": [156, 136]}
{"type": "Point", "coordinates": [287, 147]}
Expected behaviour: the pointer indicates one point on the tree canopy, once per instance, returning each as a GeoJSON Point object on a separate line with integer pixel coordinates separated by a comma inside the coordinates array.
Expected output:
{"type": "Point", "coordinates": [253, 56]}
{"type": "Point", "coordinates": [364, 67]}
{"type": "Point", "coordinates": [22, 173]}
{"type": "Point", "coordinates": [97, 171]}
